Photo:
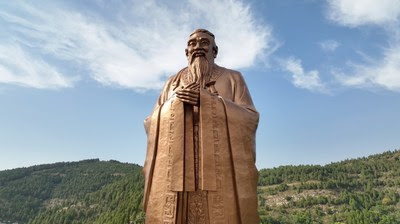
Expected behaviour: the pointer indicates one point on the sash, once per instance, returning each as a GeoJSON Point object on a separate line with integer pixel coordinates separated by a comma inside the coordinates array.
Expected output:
{"type": "Point", "coordinates": [181, 175]}
{"type": "Point", "coordinates": [181, 164]}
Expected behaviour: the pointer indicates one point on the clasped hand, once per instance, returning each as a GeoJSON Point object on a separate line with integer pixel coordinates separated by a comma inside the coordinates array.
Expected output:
{"type": "Point", "coordinates": [189, 94]}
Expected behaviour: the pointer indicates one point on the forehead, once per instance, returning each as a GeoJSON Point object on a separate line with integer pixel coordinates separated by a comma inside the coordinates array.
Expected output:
{"type": "Point", "coordinates": [200, 36]}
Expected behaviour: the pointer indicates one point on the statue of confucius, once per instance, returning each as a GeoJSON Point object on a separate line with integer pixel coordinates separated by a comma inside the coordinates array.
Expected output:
{"type": "Point", "coordinates": [200, 162]}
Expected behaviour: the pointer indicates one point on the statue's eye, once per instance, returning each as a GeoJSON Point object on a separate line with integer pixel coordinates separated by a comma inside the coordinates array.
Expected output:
{"type": "Point", "coordinates": [204, 43]}
{"type": "Point", "coordinates": [192, 44]}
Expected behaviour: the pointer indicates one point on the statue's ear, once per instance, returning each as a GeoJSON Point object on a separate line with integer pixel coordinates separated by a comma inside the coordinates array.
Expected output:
{"type": "Point", "coordinates": [186, 52]}
{"type": "Point", "coordinates": [215, 50]}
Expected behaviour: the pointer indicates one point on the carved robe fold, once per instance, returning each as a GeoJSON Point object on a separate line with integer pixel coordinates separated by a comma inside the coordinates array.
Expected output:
{"type": "Point", "coordinates": [200, 162]}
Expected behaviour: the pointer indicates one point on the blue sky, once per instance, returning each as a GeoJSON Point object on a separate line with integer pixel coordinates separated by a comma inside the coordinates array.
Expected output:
{"type": "Point", "coordinates": [78, 78]}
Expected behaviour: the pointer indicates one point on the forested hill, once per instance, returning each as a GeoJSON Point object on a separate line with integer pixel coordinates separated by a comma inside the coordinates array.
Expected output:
{"type": "Point", "coordinates": [89, 191]}
{"type": "Point", "coordinates": [358, 191]}
{"type": "Point", "coordinates": [365, 190]}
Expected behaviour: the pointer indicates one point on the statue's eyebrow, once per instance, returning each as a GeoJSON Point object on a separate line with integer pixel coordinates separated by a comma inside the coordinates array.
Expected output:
{"type": "Point", "coordinates": [204, 38]}
{"type": "Point", "coordinates": [191, 40]}
{"type": "Point", "coordinates": [199, 39]}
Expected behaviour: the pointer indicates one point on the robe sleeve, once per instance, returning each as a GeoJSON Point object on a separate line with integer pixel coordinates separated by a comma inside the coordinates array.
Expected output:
{"type": "Point", "coordinates": [241, 111]}
{"type": "Point", "coordinates": [239, 118]}
{"type": "Point", "coordinates": [151, 124]}
{"type": "Point", "coordinates": [242, 120]}
{"type": "Point", "coordinates": [162, 98]}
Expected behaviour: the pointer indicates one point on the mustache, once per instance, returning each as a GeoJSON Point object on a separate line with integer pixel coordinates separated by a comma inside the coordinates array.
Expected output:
{"type": "Point", "coordinates": [201, 53]}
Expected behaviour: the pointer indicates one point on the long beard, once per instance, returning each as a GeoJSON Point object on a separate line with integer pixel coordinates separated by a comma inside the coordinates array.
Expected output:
{"type": "Point", "coordinates": [199, 70]}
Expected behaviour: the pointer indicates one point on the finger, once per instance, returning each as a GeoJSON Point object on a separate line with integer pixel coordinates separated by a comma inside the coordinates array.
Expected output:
{"type": "Point", "coordinates": [189, 102]}
{"type": "Point", "coordinates": [187, 89]}
{"type": "Point", "coordinates": [190, 85]}
{"type": "Point", "coordinates": [195, 86]}
{"type": "Point", "coordinates": [188, 94]}
{"type": "Point", "coordinates": [192, 91]}
{"type": "Point", "coordinates": [180, 91]}
{"type": "Point", "coordinates": [187, 98]}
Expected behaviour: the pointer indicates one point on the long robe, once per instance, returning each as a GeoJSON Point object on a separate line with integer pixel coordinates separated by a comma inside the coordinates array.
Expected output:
{"type": "Point", "coordinates": [219, 159]}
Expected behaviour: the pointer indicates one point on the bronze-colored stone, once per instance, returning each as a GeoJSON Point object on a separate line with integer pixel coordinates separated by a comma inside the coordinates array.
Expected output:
{"type": "Point", "coordinates": [200, 162]}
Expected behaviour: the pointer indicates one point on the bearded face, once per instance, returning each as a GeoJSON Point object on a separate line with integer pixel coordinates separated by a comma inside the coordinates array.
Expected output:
{"type": "Point", "coordinates": [200, 54]}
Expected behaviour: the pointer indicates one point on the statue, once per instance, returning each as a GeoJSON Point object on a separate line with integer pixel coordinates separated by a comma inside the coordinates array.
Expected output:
{"type": "Point", "coordinates": [200, 161]}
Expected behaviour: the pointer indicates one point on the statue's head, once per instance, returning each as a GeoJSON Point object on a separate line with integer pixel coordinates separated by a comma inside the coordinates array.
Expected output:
{"type": "Point", "coordinates": [201, 43]}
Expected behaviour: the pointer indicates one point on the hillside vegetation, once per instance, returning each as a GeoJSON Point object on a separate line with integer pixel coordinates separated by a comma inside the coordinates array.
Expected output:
{"type": "Point", "coordinates": [364, 190]}
{"type": "Point", "coordinates": [89, 191]}
{"type": "Point", "coordinates": [358, 191]}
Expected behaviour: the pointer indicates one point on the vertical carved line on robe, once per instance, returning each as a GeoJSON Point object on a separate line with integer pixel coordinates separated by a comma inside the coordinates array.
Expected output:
{"type": "Point", "coordinates": [189, 166]}
{"type": "Point", "coordinates": [149, 177]}
{"type": "Point", "coordinates": [198, 212]}
{"type": "Point", "coordinates": [196, 155]}
{"type": "Point", "coordinates": [169, 208]}
{"type": "Point", "coordinates": [217, 198]}
{"type": "Point", "coordinates": [232, 163]}
{"type": "Point", "coordinates": [171, 126]}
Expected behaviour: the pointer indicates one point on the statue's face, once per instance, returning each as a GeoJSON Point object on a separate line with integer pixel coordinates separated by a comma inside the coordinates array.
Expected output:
{"type": "Point", "coordinates": [200, 45]}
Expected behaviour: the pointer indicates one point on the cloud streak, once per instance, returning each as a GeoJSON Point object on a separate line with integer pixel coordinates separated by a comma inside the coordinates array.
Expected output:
{"type": "Point", "coordinates": [362, 12]}
{"type": "Point", "coordinates": [384, 73]}
{"type": "Point", "coordinates": [300, 78]}
{"type": "Point", "coordinates": [134, 47]}
{"type": "Point", "coordinates": [381, 72]}
{"type": "Point", "coordinates": [329, 45]}
{"type": "Point", "coordinates": [19, 68]}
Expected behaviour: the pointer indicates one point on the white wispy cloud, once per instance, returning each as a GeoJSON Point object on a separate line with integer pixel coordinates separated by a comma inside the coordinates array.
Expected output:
{"type": "Point", "coordinates": [20, 68]}
{"type": "Point", "coordinates": [383, 72]}
{"type": "Point", "coordinates": [362, 12]}
{"type": "Point", "coordinates": [300, 78]}
{"type": "Point", "coordinates": [139, 43]}
{"type": "Point", "coordinates": [329, 45]}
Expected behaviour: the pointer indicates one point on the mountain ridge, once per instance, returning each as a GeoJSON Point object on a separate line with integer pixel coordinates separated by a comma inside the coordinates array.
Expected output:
{"type": "Point", "coordinates": [361, 190]}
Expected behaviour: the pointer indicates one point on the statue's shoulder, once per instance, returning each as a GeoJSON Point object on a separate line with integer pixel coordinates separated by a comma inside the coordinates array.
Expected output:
{"type": "Point", "coordinates": [226, 73]}
{"type": "Point", "coordinates": [181, 72]}
{"type": "Point", "coordinates": [175, 78]}
{"type": "Point", "coordinates": [178, 74]}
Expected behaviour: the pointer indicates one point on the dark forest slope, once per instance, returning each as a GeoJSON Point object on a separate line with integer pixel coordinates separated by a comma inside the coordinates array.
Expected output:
{"type": "Point", "coordinates": [89, 191]}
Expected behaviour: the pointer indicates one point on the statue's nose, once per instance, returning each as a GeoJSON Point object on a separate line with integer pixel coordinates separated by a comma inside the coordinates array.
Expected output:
{"type": "Point", "coordinates": [197, 46]}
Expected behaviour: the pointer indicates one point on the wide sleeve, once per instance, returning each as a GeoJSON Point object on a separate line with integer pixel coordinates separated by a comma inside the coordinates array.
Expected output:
{"type": "Point", "coordinates": [162, 98]}
{"type": "Point", "coordinates": [231, 108]}
{"type": "Point", "coordinates": [241, 112]}
{"type": "Point", "coordinates": [151, 124]}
